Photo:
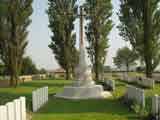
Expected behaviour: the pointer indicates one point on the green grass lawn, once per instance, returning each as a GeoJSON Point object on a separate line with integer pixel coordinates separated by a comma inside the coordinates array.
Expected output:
{"type": "Point", "coordinates": [59, 109]}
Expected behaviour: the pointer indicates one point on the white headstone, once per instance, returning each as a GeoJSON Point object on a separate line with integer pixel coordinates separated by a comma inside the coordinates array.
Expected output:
{"type": "Point", "coordinates": [136, 94]}
{"type": "Point", "coordinates": [10, 111]}
{"type": "Point", "coordinates": [46, 93]}
{"type": "Point", "coordinates": [40, 96]}
{"type": "Point", "coordinates": [23, 108]}
{"type": "Point", "coordinates": [17, 109]}
{"type": "Point", "coordinates": [43, 95]}
{"type": "Point", "coordinates": [155, 104]}
{"type": "Point", "coordinates": [3, 113]}
{"type": "Point", "coordinates": [34, 101]}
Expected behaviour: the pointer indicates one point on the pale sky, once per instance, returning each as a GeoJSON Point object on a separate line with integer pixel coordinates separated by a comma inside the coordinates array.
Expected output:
{"type": "Point", "coordinates": [39, 37]}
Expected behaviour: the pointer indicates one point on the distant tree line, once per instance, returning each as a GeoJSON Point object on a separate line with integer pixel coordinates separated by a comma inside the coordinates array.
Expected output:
{"type": "Point", "coordinates": [28, 68]}
{"type": "Point", "coordinates": [125, 58]}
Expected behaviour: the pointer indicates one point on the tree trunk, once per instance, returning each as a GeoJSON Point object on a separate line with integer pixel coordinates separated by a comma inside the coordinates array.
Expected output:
{"type": "Point", "coordinates": [96, 60]}
{"type": "Point", "coordinates": [12, 83]}
{"type": "Point", "coordinates": [147, 37]}
{"type": "Point", "coordinates": [96, 51]}
{"type": "Point", "coordinates": [127, 67]}
{"type": "Point", "coordinates": [148, 68]}
{"type": "Point", "coordinates": [17, 80]}
{"type": "Point", "coordinates": [67, 74]}
{"type": "Point", "coordinates": [96, 69]}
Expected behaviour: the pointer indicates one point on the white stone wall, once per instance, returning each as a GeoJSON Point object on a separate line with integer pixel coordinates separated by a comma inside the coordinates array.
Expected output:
{"type": "Point", "coordinates": [134, 93]}
{"type": "Point", "coordinates": [39, 98]}
{"type": "Point", "coordinates": [110, 83]}
{"type": "Point", "coordinates": [15, 110]}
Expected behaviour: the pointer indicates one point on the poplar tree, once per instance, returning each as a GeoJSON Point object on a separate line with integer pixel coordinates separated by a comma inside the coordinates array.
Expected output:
{"type": "Point", "coordinates": [14, 36]}
{"type": "Point", "coordinates": [140, 26]}
{"type": "Point", "coordinates": [61, 15]}
{"type": "Point", "coordinates": [98, 28]}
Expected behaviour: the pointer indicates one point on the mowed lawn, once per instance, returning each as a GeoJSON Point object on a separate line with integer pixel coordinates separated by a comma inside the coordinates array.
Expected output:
{"type": "Point", "coordinates": [59, 109]}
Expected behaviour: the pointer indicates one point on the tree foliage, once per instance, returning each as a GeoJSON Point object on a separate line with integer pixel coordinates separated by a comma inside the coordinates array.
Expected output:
{"type": "Point", "coordinates": [28, 67]}
{"type": "Point", "coordinates": [42, 71]}
{"type": "Point", "coordinates": [61, 18]}
{"type": "Point", "coordinates": [125, 58]}
{"type": "Point", "coordinates": [140, 26]}
{"type": "Point", "coordinates": [97, 31]}
{"type": "Point", "coordinates": [13, 29]}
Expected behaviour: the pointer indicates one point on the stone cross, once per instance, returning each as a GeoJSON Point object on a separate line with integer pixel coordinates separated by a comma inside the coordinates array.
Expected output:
{"type": "Point", "coordinates": [81, 26]}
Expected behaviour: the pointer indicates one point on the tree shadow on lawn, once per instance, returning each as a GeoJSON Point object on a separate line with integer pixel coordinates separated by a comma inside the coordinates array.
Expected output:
{"type": "Point", "coordinates": [9, 97]}
{"type": "Point", "coordinates": [42, 84]}
{"type": "Point", "coordinates": [148, 103]}
{"type": "Point", "coordinates": [106, 106]}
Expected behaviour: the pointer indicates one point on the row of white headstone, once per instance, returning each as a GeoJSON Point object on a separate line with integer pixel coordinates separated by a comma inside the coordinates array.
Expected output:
{"type": "Point", "coordinates": [147, 82]}
{"type": "Point", "coordinates": [15, 110]}
{"type": "Point", "coordinates": [136, 94]}
{"type": "Point", "coordinates": [39, 98]}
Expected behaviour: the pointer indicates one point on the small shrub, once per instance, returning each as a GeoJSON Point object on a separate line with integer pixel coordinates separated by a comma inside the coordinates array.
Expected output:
{"type": "Point", "coordinates": [127, 102]}
{"type": "Point", "coordinates": [105, 86]}
{"type": "Point", "coordinates": [139, 110]}
{"type": "Point", "coordinates": [150, 117]}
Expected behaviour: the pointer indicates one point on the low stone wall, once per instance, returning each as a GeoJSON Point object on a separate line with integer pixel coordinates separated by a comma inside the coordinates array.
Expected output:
{"type": "Point", "coordinates": [110, 83]}
{"type": "Point", "coordinates": [25, 78]}
{"type": "Point", "coordinates": [4, 83]}
{"type": "Point", "coordinates": [136, 94]}
{"type": "Point", "coordinates": [6, 80]}
{"type": "Point", "coordinates": [39, 77]}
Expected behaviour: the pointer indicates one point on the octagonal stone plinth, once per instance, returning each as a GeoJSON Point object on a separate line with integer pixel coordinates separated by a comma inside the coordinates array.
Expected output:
{"type": "Point", "coordinates": [83, 92]}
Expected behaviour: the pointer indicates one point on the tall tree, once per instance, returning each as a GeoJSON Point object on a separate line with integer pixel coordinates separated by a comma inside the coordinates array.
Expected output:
{"type": "Point", "coordinates": [61, 18]}
{"type": "Point", "coordinates": [97, 30]}
{"type": "Point", "coordinates": [140, 26]}
{"type": "Point", "coordinates": [14, 41]}
{"type": "Point", "coordinates": [28, 67]}
{"type": "Point", "coordinates": [125, 58]}
{"type": "Point", "coordinates": [3, 18]}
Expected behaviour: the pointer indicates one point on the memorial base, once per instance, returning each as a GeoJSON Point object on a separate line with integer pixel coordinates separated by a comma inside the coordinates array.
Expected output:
{"type": "Point", "coordinates": [83, 92]}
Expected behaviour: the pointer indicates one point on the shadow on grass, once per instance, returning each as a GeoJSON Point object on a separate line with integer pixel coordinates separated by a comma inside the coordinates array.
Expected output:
{"type": "Point", "coordinates": [25, 89]}
{"type": "Point", "coordinates": [120, 84]}
{"type": "Point", "coordinates": [9, 97]}
{"type": "Point", "coordinates": [106, 106]}
{"type": "Point", "coordinates": [37, 84]}
{"type": "Point", "coordinates": [148, 103]}
{"type": "Point", "coordinates": [135, 84]}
